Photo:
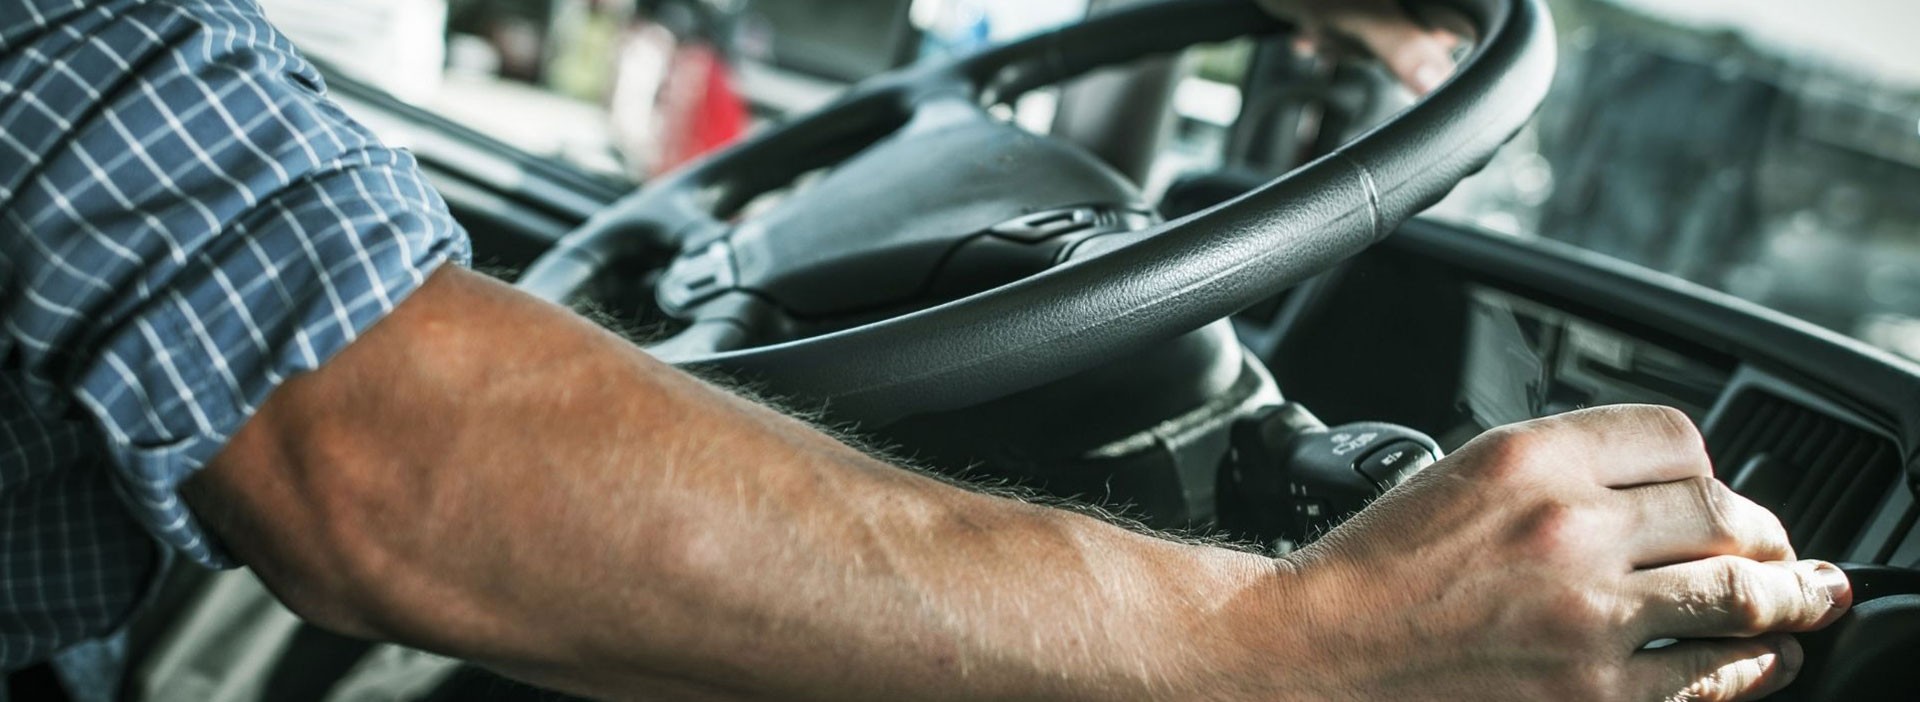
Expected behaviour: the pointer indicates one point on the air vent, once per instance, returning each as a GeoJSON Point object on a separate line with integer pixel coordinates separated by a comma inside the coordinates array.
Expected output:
{"type": "Point", "coordinates": [1823, 475]}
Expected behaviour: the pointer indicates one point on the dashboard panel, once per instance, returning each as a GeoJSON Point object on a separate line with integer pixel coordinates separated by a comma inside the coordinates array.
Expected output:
{"type": "Point", "coordinates": [1524, 360]}
{"type": "Point", "coordinates": [1454, 331]}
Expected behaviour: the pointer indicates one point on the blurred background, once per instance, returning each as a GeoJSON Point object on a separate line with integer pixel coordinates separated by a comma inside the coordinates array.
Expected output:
{"type": "Point", "coordinates": [1769, 149]}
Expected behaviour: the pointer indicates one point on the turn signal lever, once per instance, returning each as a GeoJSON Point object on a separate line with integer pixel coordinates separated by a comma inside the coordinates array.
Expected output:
{"type": "Point", "coordinates": [1289, 478]}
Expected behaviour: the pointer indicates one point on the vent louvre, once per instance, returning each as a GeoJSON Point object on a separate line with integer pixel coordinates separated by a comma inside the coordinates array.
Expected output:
{"type": "Point", "coordinates": [1822, 475]}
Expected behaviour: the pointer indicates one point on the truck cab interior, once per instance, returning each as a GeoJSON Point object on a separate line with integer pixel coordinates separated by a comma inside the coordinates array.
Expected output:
{"type": "Point", "coordinates": [1240, 314]}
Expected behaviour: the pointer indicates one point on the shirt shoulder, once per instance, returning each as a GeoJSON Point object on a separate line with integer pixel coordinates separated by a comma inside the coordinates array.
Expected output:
{"type": "Point", "coordinates": [69, 62]}
{"type": "Point", "coordinates": [241, 22]}
{"type": "Point", "coordinates": [186, 221]}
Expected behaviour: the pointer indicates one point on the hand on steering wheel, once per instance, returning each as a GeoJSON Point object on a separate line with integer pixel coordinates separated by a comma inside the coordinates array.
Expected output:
{"type": "Point", "coordinates": [1541, 560]}
{"type": "Point", "coordinates": [1419, 55]}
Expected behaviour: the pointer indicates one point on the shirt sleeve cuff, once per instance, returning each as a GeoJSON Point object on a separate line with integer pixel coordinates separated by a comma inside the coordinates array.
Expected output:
{"type": "Point", "coordinates": [289, 287]}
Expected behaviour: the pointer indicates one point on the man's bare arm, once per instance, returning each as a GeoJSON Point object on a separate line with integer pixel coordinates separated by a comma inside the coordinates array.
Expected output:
{"type": "Point", "coordinates": [491, 477]}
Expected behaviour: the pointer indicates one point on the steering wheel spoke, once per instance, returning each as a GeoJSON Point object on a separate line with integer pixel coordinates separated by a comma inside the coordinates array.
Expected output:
{"type": "Point", "coordinates": [729, 322]}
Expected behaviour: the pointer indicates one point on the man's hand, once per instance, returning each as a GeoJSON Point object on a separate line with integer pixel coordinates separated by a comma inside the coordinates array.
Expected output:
{"type": "Point", "coordinates": [1419, 55]}
{"type": "Point", "coordinates": [1539, 561]}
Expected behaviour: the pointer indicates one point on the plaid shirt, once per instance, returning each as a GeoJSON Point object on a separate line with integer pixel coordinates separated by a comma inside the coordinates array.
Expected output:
{"type": "Point", "coordinates": [185, 222]}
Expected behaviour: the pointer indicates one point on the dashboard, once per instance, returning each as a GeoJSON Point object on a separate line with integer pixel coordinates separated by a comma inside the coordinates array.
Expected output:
{"type": "Point", "coordinates": [1454, 332]}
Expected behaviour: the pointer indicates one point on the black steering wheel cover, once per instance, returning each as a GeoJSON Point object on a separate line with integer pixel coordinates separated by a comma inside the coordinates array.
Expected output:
{"type": "Point", "coordinates": [1189, 272]}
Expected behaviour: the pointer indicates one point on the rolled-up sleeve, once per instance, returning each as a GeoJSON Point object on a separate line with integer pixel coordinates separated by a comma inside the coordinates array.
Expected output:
{"type": "Point", "coordinates": [187, 223]}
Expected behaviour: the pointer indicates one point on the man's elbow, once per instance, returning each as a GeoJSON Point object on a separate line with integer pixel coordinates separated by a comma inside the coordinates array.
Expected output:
{"type": "Point", "coordinates": [321, 529]}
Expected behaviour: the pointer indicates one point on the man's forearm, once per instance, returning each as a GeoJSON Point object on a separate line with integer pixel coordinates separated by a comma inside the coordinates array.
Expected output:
{"type": "Point", "coordinates": [494, 478]}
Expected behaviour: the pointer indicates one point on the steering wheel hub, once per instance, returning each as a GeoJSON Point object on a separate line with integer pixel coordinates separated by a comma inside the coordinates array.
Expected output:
{"type": "Point", "coordinates": [877, 231]}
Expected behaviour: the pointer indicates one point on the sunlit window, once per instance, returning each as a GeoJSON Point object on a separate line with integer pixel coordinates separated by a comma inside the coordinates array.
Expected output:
{"type": "Point", "coordinates": [1765, 148]}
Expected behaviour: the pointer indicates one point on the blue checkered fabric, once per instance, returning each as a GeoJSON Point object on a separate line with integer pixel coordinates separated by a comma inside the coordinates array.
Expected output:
{"type": "Point", "coordinates": [186, 221]}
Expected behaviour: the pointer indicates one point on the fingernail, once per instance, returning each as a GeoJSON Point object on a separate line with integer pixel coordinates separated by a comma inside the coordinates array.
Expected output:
{"type": "Point", "coordinates": [1430, 75]}
{"type": "Point", "coordinates": [1792, 657]}
{"type": "Point", "coordinates": [1829, 576]}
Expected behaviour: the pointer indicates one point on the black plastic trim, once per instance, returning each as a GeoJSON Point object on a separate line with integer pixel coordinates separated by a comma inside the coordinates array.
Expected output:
{"type": "Point", "coordinates": [1868, 386]}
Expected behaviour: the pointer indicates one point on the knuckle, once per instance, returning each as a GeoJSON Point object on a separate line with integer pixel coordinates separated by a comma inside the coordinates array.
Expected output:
{"type": "Point", "coordinates": [1667, 422]}
{"type": "Point", "coordinates": [1678, 425]}
{"type": "Point", "coordinates": [1815, 600]}
{"type": "Point", "coordinates": [1507, 452]}
{"type": "Point", "coordinates": [1716, 511]}
{"type": "Point", "coordinates": [1742, 597]}
{"type": "Point", "coordinates": [1678, 431]}
{"type": "Point", "coordinates": [1776, 529]}
{"type": "Point", "coordinates": [1552, 529]}
{"type": "Point", "coordinates": [1769, 532]}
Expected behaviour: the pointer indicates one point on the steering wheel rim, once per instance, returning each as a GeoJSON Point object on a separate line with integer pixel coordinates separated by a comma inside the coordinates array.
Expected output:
{"type": "Point", "coordinates": [1118, 295]}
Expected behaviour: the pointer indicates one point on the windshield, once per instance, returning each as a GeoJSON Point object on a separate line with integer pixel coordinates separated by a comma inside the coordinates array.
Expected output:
{"type": "Point", "coordinates": [1766, 148]}
{"type": "Point", "coordinates": [1769, 149]}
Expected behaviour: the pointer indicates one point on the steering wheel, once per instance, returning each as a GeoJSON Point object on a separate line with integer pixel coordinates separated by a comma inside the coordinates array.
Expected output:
{"type": "Point", "coordinates": [1040, 262]}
